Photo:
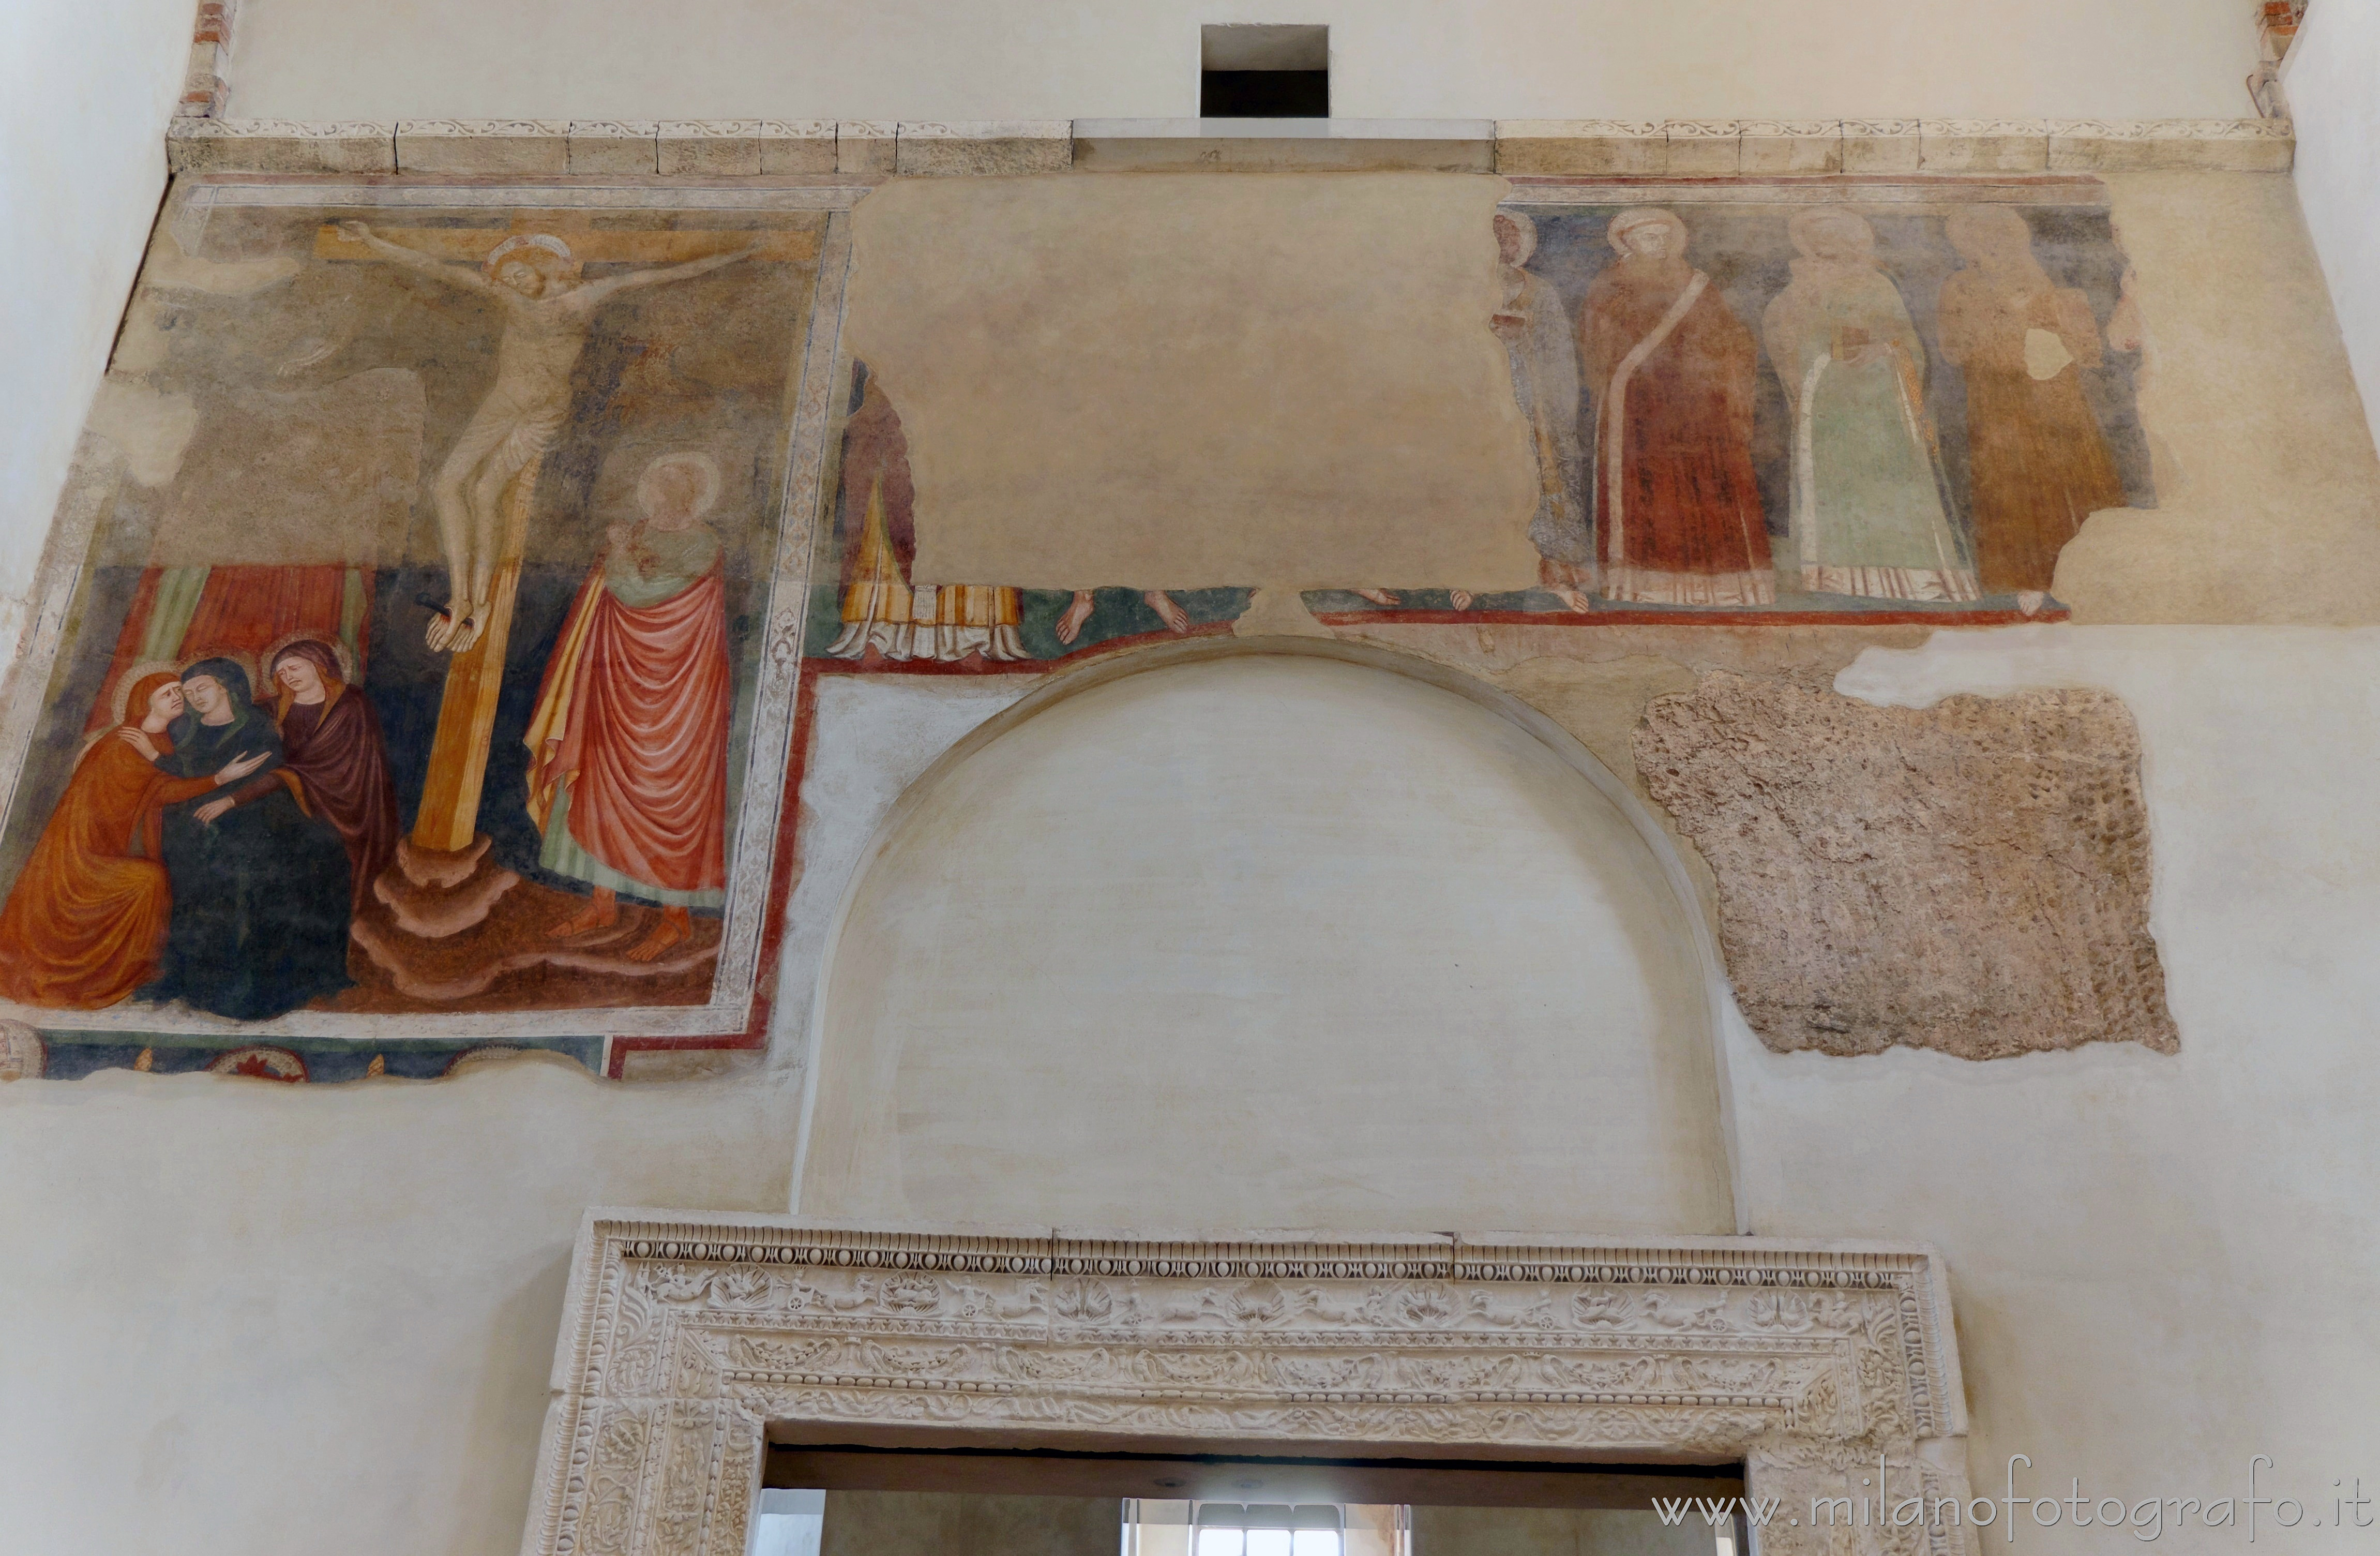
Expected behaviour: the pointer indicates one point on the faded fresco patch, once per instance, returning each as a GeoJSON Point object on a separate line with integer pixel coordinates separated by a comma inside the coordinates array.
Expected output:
{"type": "Point", "coordinates": [452, 570]}
{"type": "Point", "coordinates": [1814, 405]}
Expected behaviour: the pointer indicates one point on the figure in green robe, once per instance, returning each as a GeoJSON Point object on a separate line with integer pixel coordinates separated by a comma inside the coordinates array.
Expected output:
{"type": "Point", "coordinates": [1867, 513]}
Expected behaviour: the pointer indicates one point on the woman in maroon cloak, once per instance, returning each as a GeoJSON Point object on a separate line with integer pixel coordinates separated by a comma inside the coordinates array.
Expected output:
{"type": "Point", "coordinates": [1677, 508]}
{"type": "Point", "coordinates": [331, 741]}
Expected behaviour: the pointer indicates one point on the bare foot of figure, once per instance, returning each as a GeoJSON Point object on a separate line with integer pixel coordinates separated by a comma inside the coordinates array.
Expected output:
{"type": "Point", "coordinates": [1377, 596]}
{"type": "Point", "coordinates": [454, 629]}
{"type": "Point", "coordinates": [1569, 582]}
{"type": "Point", "coordinates": [600, 913]}
{"type": "Point", "coordinates": [1069, 625]}
{"type": "Point", "coordinates": [1176, 618]}
{"type": "Point", "coordinates": [1459, 597]}
{"type": "Point", "coordinates": [2030, 600]}
{"type": "Point", "coordinates": [675, 928]}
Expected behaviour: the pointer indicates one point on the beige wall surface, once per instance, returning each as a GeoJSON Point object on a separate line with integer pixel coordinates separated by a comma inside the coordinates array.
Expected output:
{"type": "Point", "coordinates": [1007, 59]}
{"type": "Point", "coordinates": [252, 1318]}
{"type": "Point", "coordinates": [2161, 1264]}
{"type": "Point", "coordinates": [1177, 951]}
{"type": "Point", "coordinates": [2328, 79]}
{"type": "Point", "coordinates": [1187, 382]}
{"type": "Point", "coordinates": [2269, 489]}
{"type": "Point", "coordinates": [1177, 380]}
{"type": "Point", "coordinates": [249, 1319]}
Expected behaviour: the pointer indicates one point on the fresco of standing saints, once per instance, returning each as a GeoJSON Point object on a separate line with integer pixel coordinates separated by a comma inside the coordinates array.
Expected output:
{"type": "Point", "coordinates": [1537, 335]}
{"type": "Point", "coordinates": [2038, 463]}
{"type": "Point", "coordinates": [629, 741]}
{"type": "Point", "coordinates": [1867, 512]}
{"type": "Point", "coordinates": [534, 279]}
{"type": "Point", "coordinates": [1677, 507]}
{"type": "Point", "coordinates": [86, 921]}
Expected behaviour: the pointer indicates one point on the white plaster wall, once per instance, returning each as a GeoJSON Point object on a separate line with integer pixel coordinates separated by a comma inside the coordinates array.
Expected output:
{"type": "Point", "coordinates": [247, 1319]}
{"type": "Point", "coordinates": [2329, 78]}
{"type": "Point", "coordinates": [2161, 1266]}
{"type": "Point", "coordinates": [994, 60]}
{"type": "Point", "coordinates": [1267, 940]}
{"type": "Point", "coordinates": [85, 93]}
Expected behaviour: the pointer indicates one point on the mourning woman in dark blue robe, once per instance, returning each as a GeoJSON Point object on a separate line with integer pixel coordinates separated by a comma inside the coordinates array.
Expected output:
{"type": "Point", "coordinates": [261, 893]}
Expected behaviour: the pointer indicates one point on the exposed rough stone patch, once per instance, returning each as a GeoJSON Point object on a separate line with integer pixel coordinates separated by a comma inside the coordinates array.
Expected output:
{"type": "Point", "coordinates": [1972, 877]}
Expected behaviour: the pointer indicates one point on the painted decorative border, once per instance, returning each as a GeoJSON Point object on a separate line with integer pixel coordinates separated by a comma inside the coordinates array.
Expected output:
{"type": "Point", "coordinates": [737, 1013]}
{"type": "Point", "coordinates": [687, 1338]}
{"type": "Point", "coordinates": [737, 148]}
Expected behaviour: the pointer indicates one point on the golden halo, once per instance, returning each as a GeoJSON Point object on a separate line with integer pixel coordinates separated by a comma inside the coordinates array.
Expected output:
{"type": "Point", "coordinates": [1637, 216]}
{"type": "Point", "coordinates": [331, 641]}
{"type": "Point", "coordinates": [122, 693]}
{"type": "Point", "coordinates": [541, 249]}
{"type": "Point", "coordinates": [698, 460]}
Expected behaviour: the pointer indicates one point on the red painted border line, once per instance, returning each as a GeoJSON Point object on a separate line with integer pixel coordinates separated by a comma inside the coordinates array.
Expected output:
{"type": "Point", "coordinates": [1686, 617]}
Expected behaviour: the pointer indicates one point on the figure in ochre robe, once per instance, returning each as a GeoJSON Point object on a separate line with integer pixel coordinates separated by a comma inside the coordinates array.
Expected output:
{"type": "Point", "coordinates": [86, 921]}
{"type": "Point", "coordinates": [330, 738]}
{"type": "Point", "coordinates": [628, 743]}
{"type": "Point", "coordinates": [1677, 508]}
{"type": "Point", "coordinates": [2037, 463]}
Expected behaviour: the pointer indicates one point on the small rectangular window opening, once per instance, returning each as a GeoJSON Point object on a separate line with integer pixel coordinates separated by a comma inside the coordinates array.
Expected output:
{"type": "Point", "coordinates": [1248, 71]}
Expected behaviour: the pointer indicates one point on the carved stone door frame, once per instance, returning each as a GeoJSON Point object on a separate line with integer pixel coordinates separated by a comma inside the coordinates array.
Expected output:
{"type": "Point", "coordinates": [688, 1336]}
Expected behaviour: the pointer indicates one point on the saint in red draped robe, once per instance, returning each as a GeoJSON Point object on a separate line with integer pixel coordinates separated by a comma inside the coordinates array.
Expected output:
{"type": "Point", "coordinates": [1677, 507]}
{"type": "Point", "coordinates": [628, 765]}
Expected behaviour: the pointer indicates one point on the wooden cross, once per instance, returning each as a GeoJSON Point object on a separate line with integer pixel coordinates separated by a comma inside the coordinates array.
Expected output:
{"type": "Point", "coordinates": [447, 820]}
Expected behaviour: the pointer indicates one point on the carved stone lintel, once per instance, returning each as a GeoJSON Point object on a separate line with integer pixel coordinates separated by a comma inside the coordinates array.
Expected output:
{"type": "Point", "coordinates": [688, 1339]}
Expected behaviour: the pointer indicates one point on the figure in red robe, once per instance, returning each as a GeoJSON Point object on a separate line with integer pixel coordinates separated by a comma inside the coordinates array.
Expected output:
{"type": "Point", "coordinates": [1673, 370]}
{"type": "Point", "coordinates": [628, 744]}
{"type": "Point", "coordinates": [331, 741]}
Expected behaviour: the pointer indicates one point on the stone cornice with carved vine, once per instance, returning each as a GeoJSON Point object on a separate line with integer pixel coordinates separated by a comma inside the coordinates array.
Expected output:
{"type": "Point", "coordinates": [689, 1338]}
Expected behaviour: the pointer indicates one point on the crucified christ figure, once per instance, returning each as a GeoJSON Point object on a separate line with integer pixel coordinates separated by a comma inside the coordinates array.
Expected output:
{"type": "Point", "coordinates": [547, 309]}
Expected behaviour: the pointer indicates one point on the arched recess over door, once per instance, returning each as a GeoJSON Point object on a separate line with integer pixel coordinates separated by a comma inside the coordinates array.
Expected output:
{"type": "Point", "coordinates": [1274, 934]}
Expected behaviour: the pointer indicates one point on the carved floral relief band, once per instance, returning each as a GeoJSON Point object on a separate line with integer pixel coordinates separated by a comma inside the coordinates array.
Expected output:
{"type": "Point", "coordinates": [688, 1340]}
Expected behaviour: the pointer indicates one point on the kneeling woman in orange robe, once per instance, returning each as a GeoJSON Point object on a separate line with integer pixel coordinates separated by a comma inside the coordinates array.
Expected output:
{"type": "Point", "coordinates": [87, 917]}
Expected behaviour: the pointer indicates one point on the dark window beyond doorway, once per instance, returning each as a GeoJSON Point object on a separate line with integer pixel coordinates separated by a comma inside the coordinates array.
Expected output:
{"type": "Point", "coordinates": [861, 1501]}
{"type": "Point", "coordinates": [1264, 72]}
